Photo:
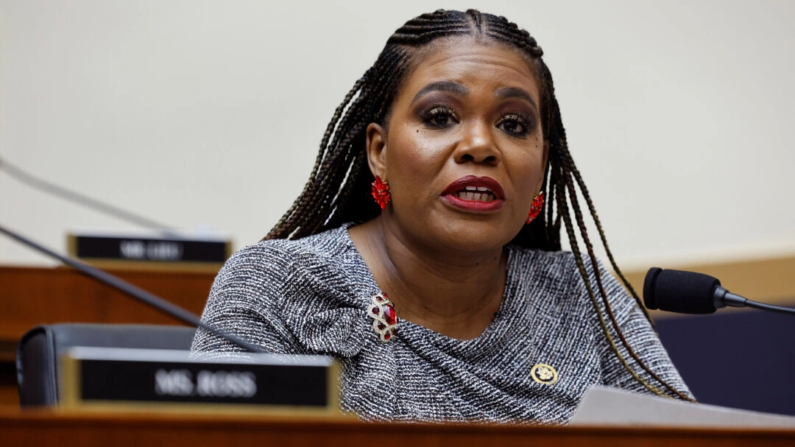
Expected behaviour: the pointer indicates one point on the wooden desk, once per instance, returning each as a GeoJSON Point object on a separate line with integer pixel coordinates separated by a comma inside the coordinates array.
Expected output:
{"type": "Point", "coordinates": [30, 296]}
{"type": "Point", "coordinates": [43, 428]}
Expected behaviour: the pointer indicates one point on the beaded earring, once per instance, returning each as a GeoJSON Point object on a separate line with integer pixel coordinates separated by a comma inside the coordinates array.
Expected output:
{"type": "Point", "coordinates": [380, 192]}
{"type": "Point", "coordinates": [535, 207]}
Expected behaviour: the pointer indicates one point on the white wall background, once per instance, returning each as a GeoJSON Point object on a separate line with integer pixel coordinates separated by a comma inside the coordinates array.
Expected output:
{"type": "Point", "coordinates": [680, 114]}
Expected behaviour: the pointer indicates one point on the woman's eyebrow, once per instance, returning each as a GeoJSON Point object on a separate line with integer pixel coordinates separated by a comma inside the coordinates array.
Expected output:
{"type": "Point", "coordinates": [515, 92]}
{"type": "Point", "coordinates": [441, 86]}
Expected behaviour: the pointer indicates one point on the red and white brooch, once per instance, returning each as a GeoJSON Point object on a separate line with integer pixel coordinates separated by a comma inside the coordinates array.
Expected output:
{"type": "Point", "coordinates": [383, 313]}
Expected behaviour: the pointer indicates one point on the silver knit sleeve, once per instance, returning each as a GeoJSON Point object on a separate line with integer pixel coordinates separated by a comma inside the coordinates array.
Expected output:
{"type": "Point", "coordinates": [245, 300]}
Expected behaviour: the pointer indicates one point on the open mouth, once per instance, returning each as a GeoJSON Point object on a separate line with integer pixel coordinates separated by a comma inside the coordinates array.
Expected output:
{"type": "Point", "coordinates": [475, 194]}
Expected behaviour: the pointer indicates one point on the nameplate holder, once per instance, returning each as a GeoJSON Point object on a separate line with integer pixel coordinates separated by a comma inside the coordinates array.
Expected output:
{"type": "Point", "coordinates": [164, 380]}
{"type": "Point", "coordinates": [149, 252]}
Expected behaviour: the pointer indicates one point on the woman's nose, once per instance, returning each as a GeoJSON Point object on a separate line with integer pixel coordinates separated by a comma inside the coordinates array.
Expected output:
{"type": "Point", "coordinates": [477, 145]}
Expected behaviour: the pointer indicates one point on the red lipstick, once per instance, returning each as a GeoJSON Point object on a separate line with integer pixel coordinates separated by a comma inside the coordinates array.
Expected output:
{"type": "Point", "coordinates": [470, 187]}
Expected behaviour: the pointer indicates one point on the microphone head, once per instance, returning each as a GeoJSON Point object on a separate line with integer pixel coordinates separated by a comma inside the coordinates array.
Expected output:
{"type": "Point", "coordinates": [679, 291]}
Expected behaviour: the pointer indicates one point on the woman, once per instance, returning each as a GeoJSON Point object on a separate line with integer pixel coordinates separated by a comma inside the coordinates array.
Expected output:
{"type": "Point", "coordinates": [424, 251]}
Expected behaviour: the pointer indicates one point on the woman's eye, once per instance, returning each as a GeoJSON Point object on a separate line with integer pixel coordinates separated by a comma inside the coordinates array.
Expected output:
{"type": "Point", "coordinates": [440, 117]}
{"type": "Point", "coordinates": [515, 125]}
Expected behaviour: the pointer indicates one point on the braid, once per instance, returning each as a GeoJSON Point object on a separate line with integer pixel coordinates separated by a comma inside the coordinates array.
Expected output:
{"type": "Point", "coordinates": [278, 231]}
{"type": "Point", "coordinates": [568, 163]}
{"type": "Point", "coordinates": [581, 268]}
{"type": "Point", "coordinates": [338, 187]}
{"type": "Point", "coordinates": [592, 210]}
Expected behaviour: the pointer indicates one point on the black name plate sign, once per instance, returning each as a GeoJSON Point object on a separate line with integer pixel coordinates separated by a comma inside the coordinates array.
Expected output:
{"type": "Point", "coordinates": [105, 377]}
{"type": "Point", "coordinates": [121, 250]}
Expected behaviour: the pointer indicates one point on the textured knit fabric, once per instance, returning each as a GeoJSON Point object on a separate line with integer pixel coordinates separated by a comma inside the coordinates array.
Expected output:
{"type": "Point", "coordinates": [310, 296]}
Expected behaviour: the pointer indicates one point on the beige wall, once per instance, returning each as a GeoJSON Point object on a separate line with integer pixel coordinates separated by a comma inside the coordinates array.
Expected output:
{"type": "Point", "coordinates": [208, 113]}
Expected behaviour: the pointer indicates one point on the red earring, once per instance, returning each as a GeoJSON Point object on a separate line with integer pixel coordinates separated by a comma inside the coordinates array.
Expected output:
{"type": "Point", "coordinates": [535, 207]}
{"type": "Point", "coordinates": [380, 192]}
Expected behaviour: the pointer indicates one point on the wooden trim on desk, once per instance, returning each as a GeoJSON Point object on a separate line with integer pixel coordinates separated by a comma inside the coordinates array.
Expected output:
{"type": "Point", "coordinates": [52, 428]}
{"type": "Point", "coordinates": [153, 266]}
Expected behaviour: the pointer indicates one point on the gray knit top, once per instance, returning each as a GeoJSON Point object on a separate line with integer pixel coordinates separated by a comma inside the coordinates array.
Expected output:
{"type": "Point", "coordinates": [311, 295]}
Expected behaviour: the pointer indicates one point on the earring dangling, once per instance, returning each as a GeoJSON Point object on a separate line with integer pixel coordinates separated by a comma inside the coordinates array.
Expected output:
{"type": "Point", "coordinates": [380, 192]}
{"type": "Point", "coordinates": [535, 207]}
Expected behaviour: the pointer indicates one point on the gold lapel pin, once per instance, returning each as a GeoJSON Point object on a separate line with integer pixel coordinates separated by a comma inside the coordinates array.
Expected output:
{"type": "Point", "coordinates": [543, 373]}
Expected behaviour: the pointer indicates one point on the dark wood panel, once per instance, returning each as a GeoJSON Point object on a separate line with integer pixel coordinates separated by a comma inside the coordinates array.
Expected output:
{"type": "Point", "coordinates": [9, 393]}
{"type": "Point", "coordinates": [30, 296]}
{"type": "Point", "coordinates": [123, 429]}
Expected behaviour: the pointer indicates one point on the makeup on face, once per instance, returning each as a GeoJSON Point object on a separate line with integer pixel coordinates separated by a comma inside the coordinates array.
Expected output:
{"type": "Point", "coordinates": [465, 149]}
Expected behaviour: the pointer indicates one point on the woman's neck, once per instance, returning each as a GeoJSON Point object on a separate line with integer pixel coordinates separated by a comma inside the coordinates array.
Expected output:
{"type": "Point", "coordinates": [455, 294]}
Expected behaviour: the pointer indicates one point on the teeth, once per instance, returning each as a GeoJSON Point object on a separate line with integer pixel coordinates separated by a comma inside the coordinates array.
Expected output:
{"type": "Point", "coordinates": [477, 188]}
{"type": "Point", "coordinates": [476, 196]}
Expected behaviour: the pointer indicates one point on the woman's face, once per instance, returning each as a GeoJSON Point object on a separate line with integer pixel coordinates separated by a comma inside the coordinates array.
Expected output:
{"type": "Point", "coordinates": [464, 152]}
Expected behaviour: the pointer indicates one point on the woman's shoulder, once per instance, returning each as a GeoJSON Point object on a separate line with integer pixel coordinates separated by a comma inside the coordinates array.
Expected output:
{"type": "Point", "coordinates": [270, 266]}
{"type": "Point", "coordinates": [556, 263]}
{"type": "Point", "coordinates": [301, 292]}
{"type": "Point", "coordinates": [559, 272]}
{"type": "Point", "coordinates": [532, 262]}
{"type": "Point", "coordinates": [282, 254]}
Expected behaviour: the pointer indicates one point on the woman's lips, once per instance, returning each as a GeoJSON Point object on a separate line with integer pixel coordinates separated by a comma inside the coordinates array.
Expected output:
{"type": "Point", "coordinates": [478, 194]}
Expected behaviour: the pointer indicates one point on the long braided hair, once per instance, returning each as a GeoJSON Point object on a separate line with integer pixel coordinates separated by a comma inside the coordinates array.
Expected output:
{"type": "Point", "coordinates": [338, 188]}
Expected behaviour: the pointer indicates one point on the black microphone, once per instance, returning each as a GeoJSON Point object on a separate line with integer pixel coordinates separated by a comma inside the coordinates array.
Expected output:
{"type": "Point", "coordinates": [133, 291]}
{"type": "Point", "coordinates": [693, 293]}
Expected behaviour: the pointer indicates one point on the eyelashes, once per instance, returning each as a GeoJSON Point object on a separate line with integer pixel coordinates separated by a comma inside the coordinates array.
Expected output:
{"type": "Point", "coordinates": [440, 117]}
{"type": "Point", "coordinates": [514, 124]}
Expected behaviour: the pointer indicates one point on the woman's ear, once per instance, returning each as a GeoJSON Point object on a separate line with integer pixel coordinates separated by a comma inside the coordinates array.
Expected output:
{"type": "Point", "coordinates": [376, 150]}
